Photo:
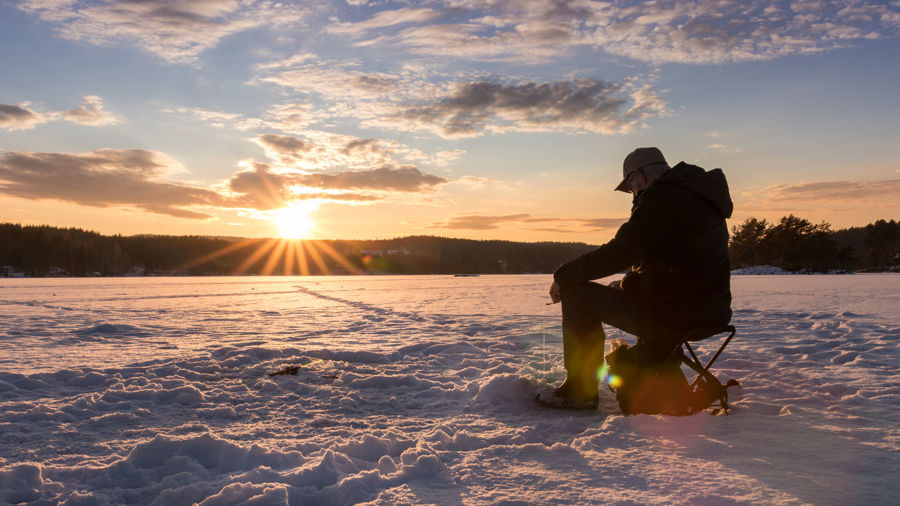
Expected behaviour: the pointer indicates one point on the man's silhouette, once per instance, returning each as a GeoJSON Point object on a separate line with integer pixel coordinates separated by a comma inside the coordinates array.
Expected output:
{"type": "Point", "coordinates": [676, 244]}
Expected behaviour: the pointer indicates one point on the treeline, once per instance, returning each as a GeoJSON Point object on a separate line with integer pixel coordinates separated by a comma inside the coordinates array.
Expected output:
{"type": "Point", "coordinates": [49, 251]}
{"type": "Point", "coordinates": [796, 244]}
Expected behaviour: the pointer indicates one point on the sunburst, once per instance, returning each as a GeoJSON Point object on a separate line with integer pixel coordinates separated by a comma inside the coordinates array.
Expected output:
{"type": "Point", "coordinates": [295, 221]}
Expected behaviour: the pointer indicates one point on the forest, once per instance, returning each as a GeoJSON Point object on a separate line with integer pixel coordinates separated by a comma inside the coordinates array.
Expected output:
{"type": "Point", "coordinates": [793, 244]}
{"type": "Point", "coordinates": [797, 245]}
{"type": "Point", "coordinates": [51, 251]}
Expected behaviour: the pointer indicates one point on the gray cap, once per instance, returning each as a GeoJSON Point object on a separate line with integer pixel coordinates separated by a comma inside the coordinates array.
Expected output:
{"type": "Point", "coordinates": [638, 159]}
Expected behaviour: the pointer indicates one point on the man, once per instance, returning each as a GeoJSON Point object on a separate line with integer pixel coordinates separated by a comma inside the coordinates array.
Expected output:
{"type": "Point", "coordinates": [676, 243]}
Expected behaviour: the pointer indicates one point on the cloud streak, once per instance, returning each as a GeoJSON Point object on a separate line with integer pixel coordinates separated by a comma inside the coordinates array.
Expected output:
{"type": "Point", "coordinates": [583, 105]}
{"type": "Point", "coordinates": [835, 191]}
{"type": "Point", "coordinates": [19, 117]}
{"type": "Point", "coordinates": [103, 178]}
{"type": "Point", "coordinates": [664, 31]}
{"type": "Point", "coordinates": [411, 101]}
{"type": "Point", "coordinates": [838, 199]}
{"type": "Point", "coordinates": [90, 112]}
{"type": "Point", "coordinates": [135, 178]}
{"type": "Point", "coordinates": [526, 221]}
{"type": "Point", "coordinates": [262, 188]}
{"type": "Point", "coordinates": [175, 31]}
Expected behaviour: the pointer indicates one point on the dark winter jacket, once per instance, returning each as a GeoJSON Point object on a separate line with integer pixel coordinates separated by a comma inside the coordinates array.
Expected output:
{"type": "Point", "coordinates": [676, 242]}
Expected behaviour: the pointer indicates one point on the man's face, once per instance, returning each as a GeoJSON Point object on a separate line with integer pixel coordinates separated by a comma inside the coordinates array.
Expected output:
{"type": "Point", "coordinates": [637, 182]}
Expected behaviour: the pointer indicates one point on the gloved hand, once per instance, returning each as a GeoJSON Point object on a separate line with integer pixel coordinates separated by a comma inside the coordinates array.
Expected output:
{"type": "Point", "coordinates": [554, 292]}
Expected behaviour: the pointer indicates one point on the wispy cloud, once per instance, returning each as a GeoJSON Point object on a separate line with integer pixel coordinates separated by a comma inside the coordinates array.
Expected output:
{"type": "Point", "coordinates": [19, 117]}
{"type": "Point", "coordinates": [396, 179]}
{"type": "Point", "coordinates": [90, 112]}
{"type": "Point", "coordinates": [138, 178]}
{"type": "Point", "coordinates": [388, 18]}
{"type": "Point", "coordinates": [527, 221]}
{"type": "Point", "coordinates": [103, 178]}
{"type": "Point", "coordinates": [725, 148]}
{"type": "Point", "coordinates": [583, 105]}
{"type": "Point", "coordinates": [260, 187]}
{"type": "Point", "coordinates": [685, 31]}
{"type": "Point", "coordinates": [321, 151]}
{"type": "Point", "coordinates": [466, 108]}
{"type": "Point", "coordinates": [529, 31]}
{"type": "Point", "coordinates": [836, 191]}
{"type": "Point", "coordinates": [289, 117]}
{"type": "Point", "coordinates": [838, 199]}
{"type": "Point", "coordinates": [334, 80]}
{"type": "Point", "coordinates": [175, 31]}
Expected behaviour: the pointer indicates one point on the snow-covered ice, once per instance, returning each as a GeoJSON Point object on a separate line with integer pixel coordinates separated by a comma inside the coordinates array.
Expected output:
{"type": "Point", "coordinates": [420, 390]}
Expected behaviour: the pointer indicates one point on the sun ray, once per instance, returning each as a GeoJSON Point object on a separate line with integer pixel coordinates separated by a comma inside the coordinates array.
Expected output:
{"type": "Point", "coordinates": [218, 253]}
{"type": "Point", "coordinates": [252, 259]}
{"type": "Point", "coordinates": [289, 258]}
{"type": "Point", "coordinates": [274, 257]}
{"type": "Point", "coordinates": [302, 262]}
{"type": "Point", "coordinates": [317, 258]}
{"type": "Point", "coordinates": [331, 252]}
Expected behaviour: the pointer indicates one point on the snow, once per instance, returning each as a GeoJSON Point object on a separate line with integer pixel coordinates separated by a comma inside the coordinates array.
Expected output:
{"type": "Point", "coordinates": [420, 389]}
{"type": "Point", "coordinates": [769, 270]}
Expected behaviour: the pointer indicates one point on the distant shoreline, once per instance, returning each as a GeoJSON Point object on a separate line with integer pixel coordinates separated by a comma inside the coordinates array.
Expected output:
{"type": "Point", "coordinates": [372, 274]}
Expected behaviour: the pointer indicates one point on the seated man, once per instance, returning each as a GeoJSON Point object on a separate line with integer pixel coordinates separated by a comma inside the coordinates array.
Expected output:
{"type": "Point", "coordinates": [676, 243]}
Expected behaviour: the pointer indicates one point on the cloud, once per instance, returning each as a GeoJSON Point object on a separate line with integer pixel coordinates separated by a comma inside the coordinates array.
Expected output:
{"type": "Point", "coordinates": [174, 31]}
{"type": "Point", "coordinates": [563, 225]}
{"type": "Point", "coordinates": [479, 222]}
{"type": "Point", "coordinates": [410, 101]}
{"type": "Point", "coordinates": [19, 117]}
{"type": "Point", "coordinates": [260, 187]}
{"type": "Point", "coordinates": [334, 80]}
{"type": "Point", "coordinates": [582, 105]}
{"type": "Point", "coordinates": [90, 112]}
{"type": "Point", "coordinates": [320, 151]}
{"type": "Point", "coordinates": [324, 151]}
{"type": "Point", "coordinates": [725, 148]}
{"type": "Point", "coordinates": [286, 149]}
{"type": "Point", "coordinates": [836, 191]}
{"type": "Point", "coordinates": [290, 117]}
{"type": "Point", "coordinates": [135, 178]}
{"type": "Point", "coordinates": [103, 178]}
{"type": "Point", "coordinates": [386, 19]}
{"type": "Point", "coordinates": [684, 31]}
{"type": "Point", "coordinates": [843, 202]}
{"type": "Point", "coordinates": [395, 179]}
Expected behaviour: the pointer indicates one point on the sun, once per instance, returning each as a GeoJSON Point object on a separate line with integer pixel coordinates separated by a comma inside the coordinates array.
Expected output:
{"type": "Point", "coordinates": [295, 221]}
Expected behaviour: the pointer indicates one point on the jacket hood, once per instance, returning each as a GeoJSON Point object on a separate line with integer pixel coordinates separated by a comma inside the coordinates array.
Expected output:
{"type": "Point", "coordinates": [711, 185]}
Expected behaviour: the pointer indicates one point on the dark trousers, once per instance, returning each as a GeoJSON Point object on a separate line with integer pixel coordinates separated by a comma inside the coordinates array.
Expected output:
{"type": "Point", "coordinates": [585, 307]}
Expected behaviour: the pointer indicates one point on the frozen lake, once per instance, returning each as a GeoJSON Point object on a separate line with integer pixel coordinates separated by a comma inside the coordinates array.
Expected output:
{"type": "Point", "coordinates": [419, 389]}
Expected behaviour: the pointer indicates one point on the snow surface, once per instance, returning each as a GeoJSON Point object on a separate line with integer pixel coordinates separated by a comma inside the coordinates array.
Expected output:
{"type": "Point", "coordinates": [420, 390]}
{"type": "Point", "coordinates": [755, 270]}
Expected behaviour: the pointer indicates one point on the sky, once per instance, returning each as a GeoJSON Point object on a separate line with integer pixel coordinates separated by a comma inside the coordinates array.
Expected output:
{"type": "Point", "coordinates": [359, 119]}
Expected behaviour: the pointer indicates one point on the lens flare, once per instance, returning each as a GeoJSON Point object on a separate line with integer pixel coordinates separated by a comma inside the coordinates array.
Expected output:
{"type": "Point", "coordinates": [604, 376]}
{"type": "Point", "coordinates": [614, 381]}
